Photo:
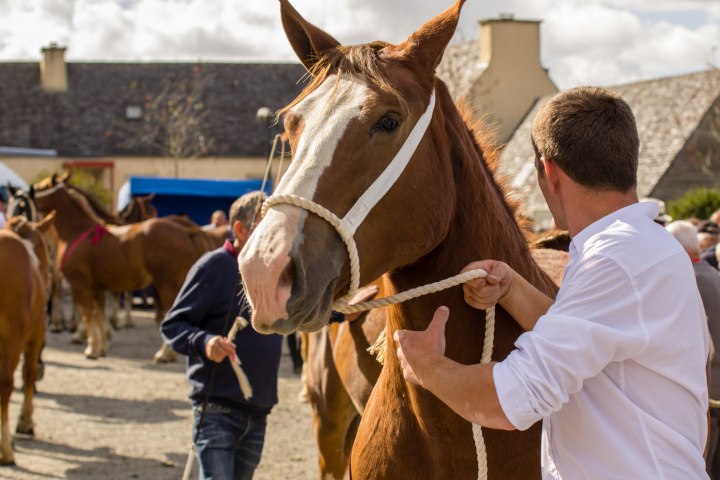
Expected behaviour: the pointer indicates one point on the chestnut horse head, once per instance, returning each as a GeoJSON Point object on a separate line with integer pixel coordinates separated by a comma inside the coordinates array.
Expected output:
{"type": "Point", "coordinates": [21, 204]}
{"type": "Point", "coordinates": [373, 119]}
{"type": "Point", "coordinates": [138, 209]}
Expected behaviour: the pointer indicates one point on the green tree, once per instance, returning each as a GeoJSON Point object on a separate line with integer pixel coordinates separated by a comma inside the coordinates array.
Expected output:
{"type": "Point", "coordinates": [698, 202]}
{"type": "Point", "coordinates": [89, 178]}
{"type": "Point", "coordinates": [173, 120]}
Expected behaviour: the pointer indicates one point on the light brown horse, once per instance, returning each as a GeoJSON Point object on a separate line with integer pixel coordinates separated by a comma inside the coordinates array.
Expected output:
{"type": "Point", "coordinates": [96, 259]}
{"type": "Point", "coordinates": [138, 209]}
{"type": "Point", "coordinates": [341, 374]}
{"type": "Point", "coordinates": [23, 265]}
{"type": "Point", "coordinates": [443, 211]}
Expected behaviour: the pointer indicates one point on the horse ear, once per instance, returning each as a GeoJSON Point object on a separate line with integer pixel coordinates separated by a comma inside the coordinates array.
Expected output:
{"type": "Point", "coordinates": [307, 40]}
{"type": "Point", "coordinates": [47, 221]}
{"type": "Point", "coordinates": [65, 177]}
{"type": "Point", "coordinates": [150, 196]}
{"type": "Point", "coordinates": [427, 45]}
{"type": "Point", "coordinates": [11, 189]}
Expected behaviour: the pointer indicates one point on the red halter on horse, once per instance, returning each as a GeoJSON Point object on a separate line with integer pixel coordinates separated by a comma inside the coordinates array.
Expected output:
{"type": "Point", "coordinates": [444, 210]}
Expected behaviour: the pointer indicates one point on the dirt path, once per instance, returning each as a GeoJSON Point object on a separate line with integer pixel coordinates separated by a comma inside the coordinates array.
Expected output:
{"type": "Point", "coordinates": [121, 417]}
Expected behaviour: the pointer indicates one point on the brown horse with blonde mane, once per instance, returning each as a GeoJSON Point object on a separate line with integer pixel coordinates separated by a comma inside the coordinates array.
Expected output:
{"type": "Point", "coordinates": [444, 210]}
{"type": "Point", "coordinates": [96, 258]}
{"type": "Point", "coordinates": [24, 265]}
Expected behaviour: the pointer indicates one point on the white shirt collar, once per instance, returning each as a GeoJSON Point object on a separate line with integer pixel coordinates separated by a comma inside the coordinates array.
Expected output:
{"type": "Point", "coordinates": [625, 214]}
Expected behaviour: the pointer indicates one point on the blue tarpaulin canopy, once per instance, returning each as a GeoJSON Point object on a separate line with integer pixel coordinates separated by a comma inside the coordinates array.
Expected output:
{"type": "Point", "coordinates": [196, 197]}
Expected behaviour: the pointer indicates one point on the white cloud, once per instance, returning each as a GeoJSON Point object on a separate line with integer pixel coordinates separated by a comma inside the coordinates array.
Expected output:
{"type": "Point", "coordinates": [583, 41]}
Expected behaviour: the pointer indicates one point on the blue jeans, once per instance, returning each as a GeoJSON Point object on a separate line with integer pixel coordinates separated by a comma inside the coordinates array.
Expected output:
{"type": "Point", "coordinates": [230, 442]}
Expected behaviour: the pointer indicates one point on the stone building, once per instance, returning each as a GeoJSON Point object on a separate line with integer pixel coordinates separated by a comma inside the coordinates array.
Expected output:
{"type": "Point", "coordinates": [500, 76]}
{"type": "Point", "coordinates": [678, 120]}
{"type": "Point", "coordinates": [81, 114]}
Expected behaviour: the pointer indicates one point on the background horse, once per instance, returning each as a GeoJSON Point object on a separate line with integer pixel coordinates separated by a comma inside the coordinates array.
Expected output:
{"type": "Point", "coordinates": [341, 374]}
{"type": "Point", "coordinates": [138, 209]}
{"type": "Point", "coordinates": [444, 210]}
{"type": "Point", "coordinates": [23, 263]}
{"type": "Point", "coordinates": [94, 260]}
{"type": "Point", "coordinates": [21, 204]}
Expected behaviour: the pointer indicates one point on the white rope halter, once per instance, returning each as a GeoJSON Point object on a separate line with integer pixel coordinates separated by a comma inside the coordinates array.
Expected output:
{"type": "Point", "coordinates": [348, 225]}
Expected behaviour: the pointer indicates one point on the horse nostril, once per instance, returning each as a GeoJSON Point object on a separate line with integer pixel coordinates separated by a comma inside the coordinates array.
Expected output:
{"type": "Point", "coordinates": [287, 276]}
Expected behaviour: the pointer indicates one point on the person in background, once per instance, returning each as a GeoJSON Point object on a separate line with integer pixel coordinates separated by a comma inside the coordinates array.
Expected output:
{"type": "Point", "coordinates": [217, 219]}
{"type": "Point", "coordinates": [231, 434]}
{"type": "Point", "coordinates": [662, 217]}
{"type": "Point", "coordinates": [708, 237]}
{"type": "Point", "coordinates": [708, 282]}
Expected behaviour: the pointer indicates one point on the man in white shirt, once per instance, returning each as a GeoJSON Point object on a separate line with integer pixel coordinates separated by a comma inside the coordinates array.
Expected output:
{"type": "Point", "coordinates": [615, 366]}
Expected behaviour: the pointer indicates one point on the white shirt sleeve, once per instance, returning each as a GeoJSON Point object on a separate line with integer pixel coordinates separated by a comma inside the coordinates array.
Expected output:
{"type": "Point", "coordinates": [594, 321]}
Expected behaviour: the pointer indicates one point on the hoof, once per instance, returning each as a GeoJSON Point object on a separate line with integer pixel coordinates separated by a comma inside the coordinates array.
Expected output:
{"type": "Point", "coordinates": [167, 358]}
{"type": "Point", "coordinates": [41, 372]}
{"type": "Point", "coordinates": [56, 328]}
{"type": "Point", "coordinates": [7, 461]}
{"type": "Point", "coordinates": [90, 355]}
{"type": "Point", "coordinates": [25, 430]}
{"type": "Point", "coordinates": [78, 339]}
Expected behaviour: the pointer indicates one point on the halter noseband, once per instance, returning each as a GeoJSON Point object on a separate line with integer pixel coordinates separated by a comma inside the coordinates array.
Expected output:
{"type": "Point", "coordinates": [348, 225]}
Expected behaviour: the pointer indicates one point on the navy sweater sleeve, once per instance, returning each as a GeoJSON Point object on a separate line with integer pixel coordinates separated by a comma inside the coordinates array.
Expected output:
{"type": "Point", "coordinates": [181, 328]}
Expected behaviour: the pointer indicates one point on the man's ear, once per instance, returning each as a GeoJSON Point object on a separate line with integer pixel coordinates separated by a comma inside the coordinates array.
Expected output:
{"type": "Point", "coordinates": [240, 231]}
{"type": "Point", "coordinates": [551, 172]}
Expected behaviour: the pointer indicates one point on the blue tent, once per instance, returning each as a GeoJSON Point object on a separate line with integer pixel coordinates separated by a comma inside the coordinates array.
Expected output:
{"type": "Point", "coordinates": [196, 197]}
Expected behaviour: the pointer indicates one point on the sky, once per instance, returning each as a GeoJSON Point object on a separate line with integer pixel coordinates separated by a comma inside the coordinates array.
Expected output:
{"type": "Point", "coordinates": [583, 42]}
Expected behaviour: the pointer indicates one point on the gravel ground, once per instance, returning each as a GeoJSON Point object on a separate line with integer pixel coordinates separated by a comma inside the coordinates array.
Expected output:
{"type": "Point", "coordinates": [120, 417]}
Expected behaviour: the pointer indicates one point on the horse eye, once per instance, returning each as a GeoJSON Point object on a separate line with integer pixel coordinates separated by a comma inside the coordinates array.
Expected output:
{"type": "Point", "coordinates": [389, 124]}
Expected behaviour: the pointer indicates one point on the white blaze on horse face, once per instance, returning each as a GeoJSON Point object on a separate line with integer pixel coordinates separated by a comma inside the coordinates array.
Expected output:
{"type": "Point", "coordinates": [325, 114]}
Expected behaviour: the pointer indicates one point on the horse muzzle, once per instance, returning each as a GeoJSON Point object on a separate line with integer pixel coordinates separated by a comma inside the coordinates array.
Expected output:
{"type": "Point", "coordinates": [289, 282]}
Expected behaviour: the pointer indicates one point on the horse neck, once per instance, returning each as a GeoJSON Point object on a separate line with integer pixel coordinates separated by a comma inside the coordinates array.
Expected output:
{"type": "Point", "coordinates": [72, 219]}
{"type": "Point", "coordinates": [99, 210]}
{"type": "Point", "coordinates": [482, 227]}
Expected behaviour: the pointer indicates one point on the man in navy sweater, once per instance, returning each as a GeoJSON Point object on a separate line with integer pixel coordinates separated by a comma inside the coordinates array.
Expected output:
{"type": "Point", "coordinates": [232, 431]}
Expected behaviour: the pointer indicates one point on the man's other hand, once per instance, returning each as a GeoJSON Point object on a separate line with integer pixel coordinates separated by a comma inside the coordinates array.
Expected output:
{"type": "Point", "coordinates": [217, 348]}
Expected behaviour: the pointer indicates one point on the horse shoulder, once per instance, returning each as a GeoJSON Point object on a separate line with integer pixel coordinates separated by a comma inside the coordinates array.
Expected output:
{"type": "Point", "coordinates": [552, 262]}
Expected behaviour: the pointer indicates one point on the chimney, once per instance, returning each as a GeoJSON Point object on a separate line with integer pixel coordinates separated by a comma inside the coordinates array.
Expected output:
{"type": "Point", "coordinates": [53, 71]}
{"type": "Point", "coordinates": [508, 40]}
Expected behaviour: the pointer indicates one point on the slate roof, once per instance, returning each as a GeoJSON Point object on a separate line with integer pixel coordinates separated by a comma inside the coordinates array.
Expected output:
{"type": "Point", "coordinates": [79, 122]}
{"type": "Point", "coordinates": [667, 112]}
{"type": "Point", "coordinates": [460, 67]}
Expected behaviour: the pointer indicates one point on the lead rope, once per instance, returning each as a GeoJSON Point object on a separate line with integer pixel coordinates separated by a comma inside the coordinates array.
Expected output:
{"type": "Point", "coordinates": [341, 305]}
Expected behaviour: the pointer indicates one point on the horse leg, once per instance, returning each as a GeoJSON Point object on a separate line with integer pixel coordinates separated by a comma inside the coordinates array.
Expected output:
{"type": "Point", "coordinates": [92, 315]}
{"type": "Point", "coordinates": [80, 335]}
{"type": "Point", "coordinates": [9, 359]}
{"type": "Point", "coordinates": [112, 312]}
{"type": "Point", "coordinates": [333, 411]}
{"type": "Point", "coordinates": [128, 309]}
{"type": "Point", "coordinates": [30, 376]}
{"type": "Point", "coordinates": [106, 331]}
{"type": "Point", "coordinates": [164, 296]}
{"type": "Point", "coordinates": [55, 304]}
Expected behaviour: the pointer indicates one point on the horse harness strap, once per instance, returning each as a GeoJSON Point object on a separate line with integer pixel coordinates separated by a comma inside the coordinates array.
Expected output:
{"type": "Point", "coordinates": [357, 213]}
{"type": "Point", "coordinates": [348, 225]}
{"type": "Point", "coordinates": [98, 230]}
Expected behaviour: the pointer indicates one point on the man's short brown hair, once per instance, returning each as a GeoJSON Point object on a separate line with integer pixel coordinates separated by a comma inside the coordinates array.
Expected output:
{"type": "Point", "coordinates": [246, 208]}
{"type": "Point", "coordinates": [591, 135]}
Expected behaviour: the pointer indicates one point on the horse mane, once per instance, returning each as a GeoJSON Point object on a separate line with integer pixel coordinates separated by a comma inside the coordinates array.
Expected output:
{"type": "Point", "coordinates": [485, 139]}
{"type": "Point", "coordinates": [84, 203]}
{"type": "Point", "coordinates": [355, 60]}
{"type": "Point", "coordinates": [94, 203]}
